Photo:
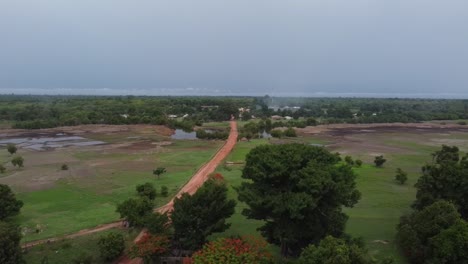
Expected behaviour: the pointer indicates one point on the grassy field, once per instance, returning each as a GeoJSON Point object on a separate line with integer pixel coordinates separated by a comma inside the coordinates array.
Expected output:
{"type": "Point", "coordinates": [58, 202]}
{"type": "Point", "coordinates": [66, 251]}
{"type": "Point", "coordinates": [383, 201]}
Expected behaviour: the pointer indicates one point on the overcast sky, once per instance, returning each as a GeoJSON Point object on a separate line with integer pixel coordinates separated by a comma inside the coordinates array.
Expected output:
{"type": "Point", "coordinates": [251, 47]}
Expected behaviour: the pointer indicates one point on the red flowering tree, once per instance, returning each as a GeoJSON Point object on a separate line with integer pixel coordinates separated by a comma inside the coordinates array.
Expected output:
{"type": "Point", "coordinates": [244, 250]}
{"type": "Point", "coordinates": [149, 247]}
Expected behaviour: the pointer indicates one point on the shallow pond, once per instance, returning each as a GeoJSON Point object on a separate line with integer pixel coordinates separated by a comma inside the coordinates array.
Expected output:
{"type": "Point", "coordinates": [180, 134]}
{"type": "Point", "coordinates": [47, 142]}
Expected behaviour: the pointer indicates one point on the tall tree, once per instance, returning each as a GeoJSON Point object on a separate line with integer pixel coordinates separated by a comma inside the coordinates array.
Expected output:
{"type": "Point", "coordinates": [157, 223]}
{"type": "Point", "coordinates": [9, 205]}
{"type": "Point", "coordinates": [451, 245]}
{"type": "Point", "coordinates": [444, 178]}
{"type": "Point", "coordinates": [292, 184]}
{"type": "Point", "coordinates": [10, 250]}
{"type": "Point", "coordinates": [197, 216]}
{"type": "Point", "coordinates": [415, 231]}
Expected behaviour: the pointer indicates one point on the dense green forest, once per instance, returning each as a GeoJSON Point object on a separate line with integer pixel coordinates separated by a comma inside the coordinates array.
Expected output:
{"type": "Point", "coordinates": [34, 112]}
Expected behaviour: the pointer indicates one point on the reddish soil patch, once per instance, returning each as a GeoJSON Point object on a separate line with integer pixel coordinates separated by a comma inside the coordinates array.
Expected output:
{"type": "Point", "coordinates": [344, 129]}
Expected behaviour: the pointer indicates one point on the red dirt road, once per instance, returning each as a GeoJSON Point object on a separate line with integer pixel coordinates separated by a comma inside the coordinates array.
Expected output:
{"type": "Point", "coordinates": [195, 182]}
{"type": "Point", "coordinates": [202, 174]}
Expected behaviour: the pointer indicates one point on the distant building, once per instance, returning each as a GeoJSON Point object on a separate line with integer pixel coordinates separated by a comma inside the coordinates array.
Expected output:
{"type": "Point", "coordinates": [288, 118]}
{"type": "Point", "coordinates": [276, 117]}
{"type": "Point", "coordinates": [124, 116]}
{"type": "Point", "coordinates": [172, 116]}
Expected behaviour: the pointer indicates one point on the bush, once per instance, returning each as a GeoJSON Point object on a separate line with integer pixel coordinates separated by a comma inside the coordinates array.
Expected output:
{"type": "Point", "coordinates": [290, 132]}
{"type": "Point", "coordinates": [2, 168]}
{"type": "Point", "coordinates": [164, 191]}
{"type": "Point", "coordinates": [358, 163]}
{"type": "Point", "coordinates": [64, 167]}
{"type": "Point", "coordinates": [146, 190]}
{"type": "Point", "coordinates": [379, 161]}
{"type": "Point", "coordinates": [12, 148]}
{"type": "Point", "coordinates": [233, 250]}
{"type": "Point", "coordinates": [349, 160]}
{"type": "Point", "coordinates": [463, 123]}
{"type": "Point", "coordinates": [276, 133]}
{"type": "Point", "coordinates": [111, 245]}
{"type": "Point", "coordinates": [18, 161]}
{"type": "Point", "coordinates": [401, 176]}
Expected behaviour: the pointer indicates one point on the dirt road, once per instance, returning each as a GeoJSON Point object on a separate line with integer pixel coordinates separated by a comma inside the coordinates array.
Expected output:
{"type": "Point", "coordinates": [202, 174]}
{"type": "Point", "coordinates": [194, 183]}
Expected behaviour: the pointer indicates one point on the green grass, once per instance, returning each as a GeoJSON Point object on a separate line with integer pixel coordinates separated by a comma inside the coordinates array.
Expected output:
{"type": "Point", "coordinates": [215, 124]}
{"type": "Point", "coordinates": [67, 250]}
{"type": "Point", "coordinates": [383, 200]}
{"type": "Point", "coordinates": [76, 203]}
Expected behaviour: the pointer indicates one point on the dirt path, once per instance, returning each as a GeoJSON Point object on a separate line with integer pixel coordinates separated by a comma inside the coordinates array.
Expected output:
{"type": "Point", "coordinates": [194, 183]}
{"type": "Point", "coordinates": [77, 234]}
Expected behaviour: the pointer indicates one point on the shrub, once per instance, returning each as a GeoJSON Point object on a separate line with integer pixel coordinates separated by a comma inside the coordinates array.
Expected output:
{"type": "Point", "coordinates": [149, 246]}
{"type": "Point", "coordinates": [2, 168]}
{"type": "Point", "coordinates": [358, 163]}
{"type": "Point", "coordinates": [349, 160]}
{"type": "Point", "coordinates": [290, 132]}
{"type": "Point", "coordinates": [276, 133]}
{"type": "Point", "coordinates": [18, 161]}
{"type": "Point", "coordinates": [111, 245]}
{"type": "Point", "coordinates": [164, 191]}
{"type": "Point", "coordinates": [64, 167]}
{"type": "Point", "coordinates": [379, 161]}
{"type": "Point", "coordinates": [401, 176]}
{"type": "Point", "coordinates": [12, 148]}
{"type": "Point", "coordinates": [246, 249]}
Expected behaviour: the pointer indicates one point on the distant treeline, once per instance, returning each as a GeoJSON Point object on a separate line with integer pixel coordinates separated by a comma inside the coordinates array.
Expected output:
{"type": "Point", "coordinates": [33, 112]}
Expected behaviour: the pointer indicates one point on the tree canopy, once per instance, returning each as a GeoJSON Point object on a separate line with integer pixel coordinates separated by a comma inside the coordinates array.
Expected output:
{"type": "Point", "coordinates": [444, 178]}
{"type": "Point", "coordinates": [135, 210]}
{"type": "Point", "coordinates": [197, 216]}
{"type": "Point", "coordinates": [9, 205]}
{"type": "Point", "coordinates": [10, 250]}
{"type": "Point", "coordinates": [292, 184]}
{"type": "Point", "coordinates": [416, 230]}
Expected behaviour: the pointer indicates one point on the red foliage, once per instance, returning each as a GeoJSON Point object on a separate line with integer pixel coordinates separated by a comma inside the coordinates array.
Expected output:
{"type": "Point", "coordinates": [218, 176]}
{"type": "Point", "coordinates": [149, 245]}
{"type": "Point", "coordinates": [247, 249]}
